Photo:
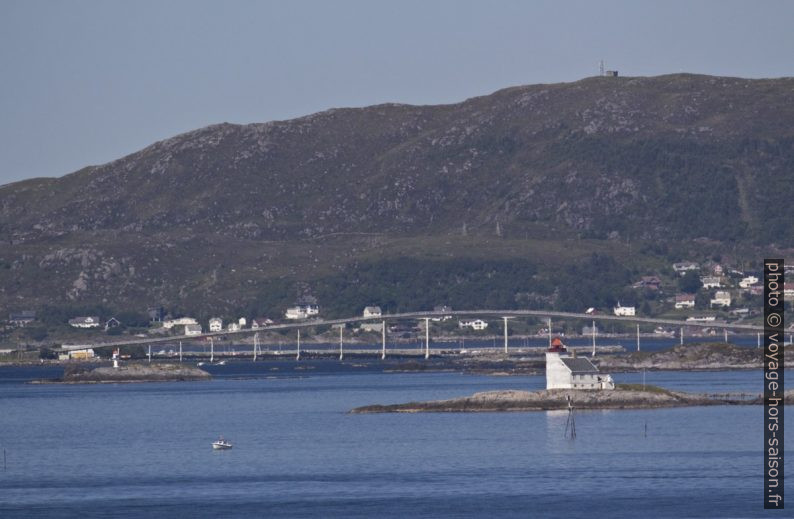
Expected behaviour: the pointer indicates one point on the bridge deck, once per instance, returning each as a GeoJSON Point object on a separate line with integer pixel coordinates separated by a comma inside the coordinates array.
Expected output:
{"type": "Point", "coordinates": [425, 315]}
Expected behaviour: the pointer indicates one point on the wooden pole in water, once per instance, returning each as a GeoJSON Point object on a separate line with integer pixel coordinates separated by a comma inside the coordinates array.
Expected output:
{"type": "Point", "coordinates": [682, 336]}
{"type": "Point", "coordinates": [759, 341]}
{"type": "Point", "coordinates": [341, 347]}
{"type": "Point", "coordinates": [212, 350]}
{"type": "Point", "coordinates": [725, 330]}
{"type": "Point", "coordinates": [593, 330]}
{"type": "Point", "coordinates": [383, 340]}
{"type": "Point", "coordinates": [256, 344]}
{"type": "Point", "coordinates": [150, 353]}
{"type": "Point", "coordinates": [298, 356]}
{"type": "Point", "coordinates": [427, 337]}
{"type": "Point", "coordinates": [638, 337]}
{"type": "Point", "coordinates": [505, 318]}
{"type": "Point", "coordinates": [180, 351]}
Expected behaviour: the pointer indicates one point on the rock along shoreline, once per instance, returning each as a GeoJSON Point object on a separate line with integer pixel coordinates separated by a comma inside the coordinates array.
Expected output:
{"type": "Point", "coordinates": [626, 396]}
{"type": "Point", "coordinates": [130, 373]}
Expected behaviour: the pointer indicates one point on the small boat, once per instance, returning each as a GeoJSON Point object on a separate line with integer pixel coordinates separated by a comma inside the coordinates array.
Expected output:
{"type": "Point", "coordinates": [222, 363]}
{"type": "Point", "coordinates": [221, 444]}
{"type": "Point", "coordinates": [200, 364]}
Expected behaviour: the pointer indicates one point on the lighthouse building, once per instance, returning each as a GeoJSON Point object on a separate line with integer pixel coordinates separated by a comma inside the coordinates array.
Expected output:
{"type": "Point", "coordinates": [564, 371]}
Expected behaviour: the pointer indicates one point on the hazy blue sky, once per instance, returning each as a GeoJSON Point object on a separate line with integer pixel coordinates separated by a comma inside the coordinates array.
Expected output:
{"type": "Point", "coordinates": [85, 82]}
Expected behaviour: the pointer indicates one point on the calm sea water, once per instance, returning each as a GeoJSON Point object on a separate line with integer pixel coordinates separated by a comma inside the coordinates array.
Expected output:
{"type": "Point", "coordinates": [144, 449]}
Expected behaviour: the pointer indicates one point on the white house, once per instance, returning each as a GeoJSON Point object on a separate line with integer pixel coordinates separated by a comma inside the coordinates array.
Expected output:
{"type": "Point", "coordinates": [91, 321]}
{"type": "Point", "coordinates": [627, 311]}
{"type": "Point", "coordinates": [684, 301]}
{"type": "Point", "coordinates": [748, 281]}
{"type": "Point", "coordinates": [788, 291]}
{"type": "Point", "coordinates": [192, 329]}
{"type": "Point", "coordinates": [685, 266]}
{"type": "Point", "coordinates": [711, 282]}
{"type": "Point", "coordinates": [721, 298]}
{"type": "Point", "coordinates": [216, 324]}
{"type": "Point", "coordinates": [474, 324]}
{"type": "Point", "coordinates": [242, 321]}
{"type": "Point", "coordinates": [233, 327]}
{"type": "Point", "coordinates": [702, 319]}
{"type": "Point", "coordinates": [181, 321]}
{"type": "Point", "coordinates": [260, 322]}
{"type": "Point", "coordinates": [372, 311]}
{"type": "Point", "coordinates": [295, 312]}
{"type": "Point", "coordinates": [301, 311]}
{"type": "Point", "coordinates": [566, 372]}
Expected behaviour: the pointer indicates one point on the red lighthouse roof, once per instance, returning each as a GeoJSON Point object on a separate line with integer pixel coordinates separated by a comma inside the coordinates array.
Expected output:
{"type": "Point", "coordinates": [557, 345]}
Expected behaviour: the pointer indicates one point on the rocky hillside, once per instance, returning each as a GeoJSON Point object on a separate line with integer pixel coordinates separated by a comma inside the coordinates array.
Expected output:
{"type": "Point", "coordinates": [230, 212]}
{"type": "Point", "coordinates": [716, 356]}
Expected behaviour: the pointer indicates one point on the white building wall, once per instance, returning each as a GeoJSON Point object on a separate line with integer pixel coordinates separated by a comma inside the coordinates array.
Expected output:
{"type": "Point", "coordinates": [624, 311]}
{"type": "Point", "coordinates": [558, 376]}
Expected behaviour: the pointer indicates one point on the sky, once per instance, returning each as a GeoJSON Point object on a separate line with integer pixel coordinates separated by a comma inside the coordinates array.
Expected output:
{"type": "Point", "coordinates": [84, 82]}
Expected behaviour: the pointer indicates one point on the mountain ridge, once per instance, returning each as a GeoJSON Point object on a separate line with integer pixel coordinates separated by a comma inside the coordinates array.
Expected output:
{"type": "Point", "coordinates": [667, 159]}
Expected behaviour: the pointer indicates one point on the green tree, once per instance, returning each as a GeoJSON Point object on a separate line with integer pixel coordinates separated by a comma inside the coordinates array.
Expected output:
{"type": "Point", "coordinates": [690, 282]}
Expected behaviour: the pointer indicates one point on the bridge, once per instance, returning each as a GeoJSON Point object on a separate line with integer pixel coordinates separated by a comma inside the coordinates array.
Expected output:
{"type": "Point", "coordinates": [506, 315]}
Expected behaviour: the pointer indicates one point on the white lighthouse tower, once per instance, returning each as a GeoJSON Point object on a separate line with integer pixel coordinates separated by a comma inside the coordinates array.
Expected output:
{"type": "Point", "coordinates": [564, 371]}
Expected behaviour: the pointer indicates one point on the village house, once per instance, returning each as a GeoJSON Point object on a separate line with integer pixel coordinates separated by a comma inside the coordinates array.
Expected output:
{"type": "Point", "coordinates": [701, 319]}
{"type": "Point", "coordinates": [474, 324]}
{"type": "Point", "coordinates": [788, 291]}
{"type": "Point", "coordinates": [193, 329]}
{"type": "Point", "coordinates": [301, 311]}
{"type": "Point", "coordinates": [748, 281]}
{"type": "Point", "coordinates": [295, 312]}
{"type": "Point", "coordinates": [564, 371]}
{"type": "Point", "coordinates": [440, 309]}
{"type": "Point", "coordinates": [216, 324]}
{"type": "Point", "coordinates": [22, 318]}
{"type": "Point", "coordinates": [721, 298]}
{"type": "Point", "coordinates": [371, 327]}
{"type": "Point", "coordinates": [710, 282]}
{"type": "Point", "coordinates": [685, 266]}
{"type": "Point", "coordinates": [626, 311]}
{"type": "Point", "coordinates": [260, 322]}
{"type": "Point", "coordinates": [649, 282]}
{"type": "Point", "coordinates": [233, 327]}
{"type": "Point", "coordinates": [372, 311]}
{"type": "Point", "coordinates": [77, 354]}
{"type": "Point", "coordinates": [242, 321]}
{"type": "Point", "coordinates": [684, 301]}
{"type": "Point", "coordinates": [91, 321]}
{"type": "Point", "coordinates": [112, 323]}
{"type": "Point", "coordinates": [715, 268]}
{"type": "Point", "coordinates": [180, 321]}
